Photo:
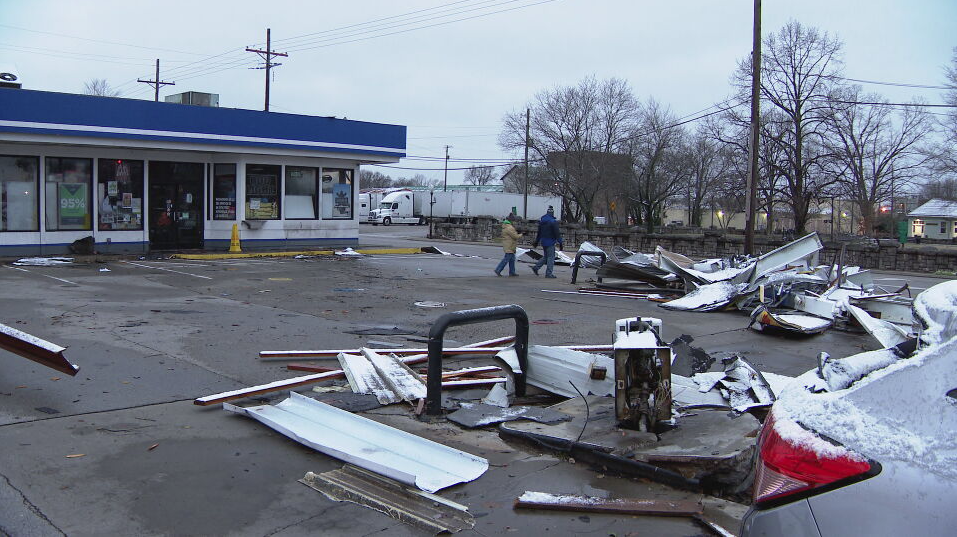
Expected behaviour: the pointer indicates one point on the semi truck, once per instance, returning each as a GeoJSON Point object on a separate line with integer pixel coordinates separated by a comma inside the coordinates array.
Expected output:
{"type": "Point", "coordinates": [417, 207]}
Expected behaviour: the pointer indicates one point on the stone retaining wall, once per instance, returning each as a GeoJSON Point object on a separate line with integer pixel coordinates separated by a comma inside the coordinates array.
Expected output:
{"type": "Point", "coordinates": [880, 255]}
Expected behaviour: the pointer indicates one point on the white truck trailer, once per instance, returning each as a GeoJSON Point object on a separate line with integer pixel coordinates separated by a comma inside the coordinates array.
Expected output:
{"type": "Point", "coordinates": [417, 207]}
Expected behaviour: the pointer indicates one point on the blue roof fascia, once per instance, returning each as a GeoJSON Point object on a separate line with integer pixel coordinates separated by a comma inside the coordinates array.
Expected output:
{"type": "Point", "coordinates": [109, 117]}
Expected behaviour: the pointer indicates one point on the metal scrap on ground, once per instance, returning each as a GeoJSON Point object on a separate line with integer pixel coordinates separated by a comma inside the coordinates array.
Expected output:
{"type": "Point", "coordinates": [589, 504]}
{"type": "Point", "coordinates": [397, 454]}
{"type": "Point", "coordinates": [420, 509]}
{"type": "Point", "coordinates": [33, 348]}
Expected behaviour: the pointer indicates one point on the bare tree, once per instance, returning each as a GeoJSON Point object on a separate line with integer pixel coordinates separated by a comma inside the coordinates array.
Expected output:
{"type": "Point", "coordinates": [100, 87]}
{"type": "Point", "coordinates": [416, 180]}
{"type": "Point", "coordinates": [480, 175]}
{"type": "Point", "coordinates": [659, 164]}
{"type": "Point", "coordinates": [374, 179]}
{"type": "Point", "coordinates": [709, 166]}
{"type": "Point", "coordinates": [580, 133]}
{"type": "Point", "coordinates": [943, 154]}
{"type": "Point", "coordinates": [874, 154]}
{"type": "Point", "coordinates": [799, 68]}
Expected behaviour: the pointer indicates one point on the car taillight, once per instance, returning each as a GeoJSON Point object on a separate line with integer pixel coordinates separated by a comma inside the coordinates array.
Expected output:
{"type": "Point", "coordinates": [785, 469]}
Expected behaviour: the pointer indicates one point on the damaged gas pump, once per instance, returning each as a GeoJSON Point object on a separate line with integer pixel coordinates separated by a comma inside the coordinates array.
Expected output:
{"type": "Point", "coordinates": [642, 374]}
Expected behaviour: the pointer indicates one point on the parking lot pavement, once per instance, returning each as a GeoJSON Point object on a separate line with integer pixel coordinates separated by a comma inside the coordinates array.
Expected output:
{"type": "Point", "coordinates": [152, 334]}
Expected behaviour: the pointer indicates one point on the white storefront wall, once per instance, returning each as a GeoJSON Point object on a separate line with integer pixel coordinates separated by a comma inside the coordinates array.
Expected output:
{"type": "Point", "coordinates": [267, 233]}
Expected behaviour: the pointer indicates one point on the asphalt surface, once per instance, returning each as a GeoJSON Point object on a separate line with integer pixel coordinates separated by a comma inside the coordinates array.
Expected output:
{"type": "Point", "coordinates": [121, 450]}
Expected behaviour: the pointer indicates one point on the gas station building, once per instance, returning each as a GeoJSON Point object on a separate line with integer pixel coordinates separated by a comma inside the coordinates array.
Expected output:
{"type": "Point", "coordinates": [141, 176]}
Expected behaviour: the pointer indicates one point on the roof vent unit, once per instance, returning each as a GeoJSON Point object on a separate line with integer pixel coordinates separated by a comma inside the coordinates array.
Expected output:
{"type": "Point", "coordinates": [194, 97]}
{"type": "Point", "coordinates": [9, 77]}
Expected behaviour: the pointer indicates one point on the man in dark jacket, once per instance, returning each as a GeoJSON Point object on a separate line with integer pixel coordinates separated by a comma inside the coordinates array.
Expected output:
{"type": "Point", "coordinates": [549, 233]}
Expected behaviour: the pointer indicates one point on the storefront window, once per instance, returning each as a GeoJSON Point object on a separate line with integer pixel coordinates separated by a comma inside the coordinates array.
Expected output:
{"type": "Point", "coordinates": [262, 192]}
{"type": "Point", "coordinates": [224, 192]}
{"type": "Point", "coordinates": [119, 190]}
{"type": "Point", "coordinates": [68, 193]}
{"type": "Point", "coordinates": [302, 193]}
{"type": "Point", "coordinates": [19, 179]}
{"type": "Point", "coordinates": [337, 194]}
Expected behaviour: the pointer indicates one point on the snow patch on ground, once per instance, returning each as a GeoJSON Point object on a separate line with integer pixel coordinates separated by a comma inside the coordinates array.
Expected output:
{"type": "Point", "coordinates": [43, 261]}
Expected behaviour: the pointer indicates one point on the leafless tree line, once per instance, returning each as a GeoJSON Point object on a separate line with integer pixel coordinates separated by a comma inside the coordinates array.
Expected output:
{"type": "Point", "coordinates": [604, 151]}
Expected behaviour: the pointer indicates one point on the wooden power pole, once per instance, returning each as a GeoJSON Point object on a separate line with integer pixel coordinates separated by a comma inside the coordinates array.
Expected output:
{"type": "Point", "coordinates": [267, 56]}
{"type": "Point", "coordinates": [755, 132]}
{"type": "Point", "coordinates": [156, 82]}
{"type": "Point", "coordinates": [528, 121]}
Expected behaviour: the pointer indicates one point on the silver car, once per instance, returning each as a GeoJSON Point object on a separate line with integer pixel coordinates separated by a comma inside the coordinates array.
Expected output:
{"type": "Point", "coordinates": [867, 445]}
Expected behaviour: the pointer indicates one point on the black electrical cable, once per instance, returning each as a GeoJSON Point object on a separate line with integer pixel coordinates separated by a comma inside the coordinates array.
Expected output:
{"type": "Point", "coordinates": [587, 412]}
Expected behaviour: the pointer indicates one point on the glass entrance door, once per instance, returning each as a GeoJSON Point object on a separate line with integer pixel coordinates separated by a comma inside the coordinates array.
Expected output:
{"type": "Point", "coordinates": [176, 205]}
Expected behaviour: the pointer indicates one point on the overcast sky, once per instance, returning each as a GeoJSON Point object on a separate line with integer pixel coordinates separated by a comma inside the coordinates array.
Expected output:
{"type": "Point", "coordinates": [451, 82]}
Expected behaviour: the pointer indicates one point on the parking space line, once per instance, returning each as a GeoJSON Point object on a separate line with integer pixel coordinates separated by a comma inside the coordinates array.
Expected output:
{"type": "Point", "coordinates": [44, 275]}
{"type": "Point", "coordinates": [167, 270]}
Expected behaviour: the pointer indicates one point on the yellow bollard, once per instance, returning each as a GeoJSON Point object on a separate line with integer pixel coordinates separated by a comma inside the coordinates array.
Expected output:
{"type": "Point", "coordinates": [234, 241]}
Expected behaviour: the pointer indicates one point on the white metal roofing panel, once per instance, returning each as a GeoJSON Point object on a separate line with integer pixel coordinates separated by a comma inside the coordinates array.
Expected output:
{"type": "Point", "coordinates": [397, 454]}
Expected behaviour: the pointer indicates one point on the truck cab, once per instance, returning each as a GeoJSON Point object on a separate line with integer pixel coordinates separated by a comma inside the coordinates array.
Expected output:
{"type": "Point", "coordinates": [397, 208]}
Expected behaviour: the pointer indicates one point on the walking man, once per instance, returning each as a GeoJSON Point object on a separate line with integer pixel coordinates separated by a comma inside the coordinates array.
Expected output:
{"type": "Point", "coordinates": [548, 235]}
{"type": "Point", "coordinates": [509, 243]}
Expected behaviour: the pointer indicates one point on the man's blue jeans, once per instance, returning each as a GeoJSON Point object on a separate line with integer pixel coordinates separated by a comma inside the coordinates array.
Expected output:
{"type": "Point", "coordinates": [510, 260]}
{"type": "Point", "coordinates": [548, 260]}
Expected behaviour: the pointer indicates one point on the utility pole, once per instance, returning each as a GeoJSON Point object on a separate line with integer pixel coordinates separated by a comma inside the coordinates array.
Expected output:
{"type": "Point", "coordinates": [755, 130]}
{"type": "Point", "coordinates": [156, 83]}
{"type": "Point", "coordinates": [267, 55]}
{"type": "Point", "coordinates": [528, 122]}
{"type": "Point", "coordinates": [445, 179]}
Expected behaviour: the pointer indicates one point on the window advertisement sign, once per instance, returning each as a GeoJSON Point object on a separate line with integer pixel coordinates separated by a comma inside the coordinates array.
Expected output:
{"type": "Point", "coordinates": [73, 207]}
{"type": "Point", "coordinates": [224, 192]}
{"type": "Point", "coordinates": [262, 192]}
{"type": "Point", "coordinates": [336, 194]}
{"type": "Point", "coordinates": [67, 191]}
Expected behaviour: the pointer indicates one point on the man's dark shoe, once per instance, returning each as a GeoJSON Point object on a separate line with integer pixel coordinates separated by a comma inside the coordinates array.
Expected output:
{"type": "Point", "coordinates": [535, 270]}
{"type": "Point", "coordinates": [513, 275]}
{"type": "Point", "coordinates": [497, 273]}
{"type": "Point", "coordinates": [550, 276]}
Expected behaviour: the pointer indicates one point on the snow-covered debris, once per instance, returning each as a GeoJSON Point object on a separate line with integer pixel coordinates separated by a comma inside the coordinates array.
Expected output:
{"type": "Point", "coordinates": [840, 374]}
{"type": "Point", "coordinates": [937, 312]}
{"type": "Point", "coordinates": [896, 412]}
{"type": "Point", "coordinates": [348, 252]}
{"type": "Point", "coordinates": [706, 298]}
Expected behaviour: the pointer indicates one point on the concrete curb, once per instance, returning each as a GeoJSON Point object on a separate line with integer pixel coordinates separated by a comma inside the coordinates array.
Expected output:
{"type": "Point", "coordinates": [227, 255]}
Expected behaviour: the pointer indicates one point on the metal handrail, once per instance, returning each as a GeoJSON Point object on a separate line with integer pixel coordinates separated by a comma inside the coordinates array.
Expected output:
{"type": "Point", "coordinates": [578, 258]}
{"type": "Point", "coordinates": [437, 335]}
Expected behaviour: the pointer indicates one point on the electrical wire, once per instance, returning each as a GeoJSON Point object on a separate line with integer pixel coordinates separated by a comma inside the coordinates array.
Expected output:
{"type": "Point", "coordinates": [587, 412]}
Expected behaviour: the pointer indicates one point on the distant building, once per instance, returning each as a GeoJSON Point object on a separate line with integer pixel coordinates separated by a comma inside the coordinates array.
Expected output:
{"type": "Point", "coordinates": [936, 220]}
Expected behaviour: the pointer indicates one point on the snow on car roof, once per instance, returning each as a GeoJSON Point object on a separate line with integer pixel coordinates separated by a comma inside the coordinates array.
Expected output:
{"type": "Point", "coordinates": [900, 412]}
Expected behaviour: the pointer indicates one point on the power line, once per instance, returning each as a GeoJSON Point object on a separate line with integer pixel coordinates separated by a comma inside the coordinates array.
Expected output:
{"type": "Point", "coordinates": [96, 40]}
{"type": "Point", "coordinates": [373, 26]}
{"type": "Point", "coordinates": [419, 27]}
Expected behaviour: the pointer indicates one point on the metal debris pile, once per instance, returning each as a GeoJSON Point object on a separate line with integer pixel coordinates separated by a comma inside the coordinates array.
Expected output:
{"type": "Point", "coordinates": [604, 403]}
{"type": "Point", "coordinates": [784, 291]}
